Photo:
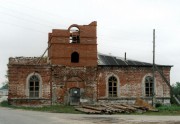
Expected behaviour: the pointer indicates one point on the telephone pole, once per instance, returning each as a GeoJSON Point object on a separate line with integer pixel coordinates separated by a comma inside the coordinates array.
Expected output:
{"type": "Point", "coordinates": [153, 91]}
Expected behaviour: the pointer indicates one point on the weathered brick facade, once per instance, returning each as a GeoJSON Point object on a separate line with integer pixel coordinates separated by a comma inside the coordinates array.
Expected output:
{"type": "Point", "coordinates": [72, 74]}
{"type": "Point", "coordinates": [131, 84]}
{"type": "Point", "coordinates": [19, 71]}
{"type": "Point", "coordinates": [61, 49]}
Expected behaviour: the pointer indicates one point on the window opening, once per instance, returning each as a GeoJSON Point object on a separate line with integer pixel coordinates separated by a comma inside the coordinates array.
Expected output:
{"type": "Point", "coordinates": [74, 57]}
{"type": "Point", "coordinates": [112, 85]}
{"type": "Point", "coordinates": [149, 86]}
{"type": "Point", "coordinates": [34, 86]}
{"type": "Point", "coordinates": [74, 35]}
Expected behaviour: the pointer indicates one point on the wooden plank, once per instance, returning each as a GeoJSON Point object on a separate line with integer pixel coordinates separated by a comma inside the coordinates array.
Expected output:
{"type": "Point", "coordinates": [93, 108]}
{"type": "Point", "coordinates": [111, 109]}
{"type": "Point", "coordinates": [88, 111]}
{"type": "Point", "coordinates": [129, 107]}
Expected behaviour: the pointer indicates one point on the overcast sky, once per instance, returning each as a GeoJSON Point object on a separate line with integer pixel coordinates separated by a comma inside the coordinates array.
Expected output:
{"type": "Point", "coordinates": [122, 26]}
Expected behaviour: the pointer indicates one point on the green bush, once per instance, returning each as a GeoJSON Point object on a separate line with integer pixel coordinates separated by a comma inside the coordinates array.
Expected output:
{"type": "Point", "coordinates": [169, 108]}
{"type": "Point", "coordinates": [175, 91]}
{"type": "Point", "coordinates": [4, 104]}
{"type": "Point", "coordinates": [158, 105]}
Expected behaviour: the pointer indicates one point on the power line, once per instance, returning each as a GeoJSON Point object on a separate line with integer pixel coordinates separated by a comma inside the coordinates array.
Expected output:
{"type": "Point", "coordinates": [22, 18]}
{"type": "Point", "coordinates": [102, 36]}
{"type": "Point", "coordinates": [42, 12]}
{"type": "Point", "coordinates": [32, 18]}
{"type": "Point", "coordinates": [20, 26]}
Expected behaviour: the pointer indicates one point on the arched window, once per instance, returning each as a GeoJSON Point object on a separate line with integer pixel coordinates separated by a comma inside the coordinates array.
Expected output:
{"type": "Point", "coordinates": [149, 86]}
{"type": "Point", "coordinates": [34, 86]}
{"type": "Point", "coordinates": [74, 35]}
{"type": "Point", "coordinates": [112, 86]}
{"type": "Point", "coordinates": [74, 57]}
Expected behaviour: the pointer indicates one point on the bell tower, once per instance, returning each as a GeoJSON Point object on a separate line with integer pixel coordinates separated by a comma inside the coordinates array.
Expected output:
{"type": "Point", "coordinates": [75, 46]}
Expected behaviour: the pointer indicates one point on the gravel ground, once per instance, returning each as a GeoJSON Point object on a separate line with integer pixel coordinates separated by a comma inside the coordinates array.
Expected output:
{"type": "Point", "coordinates": [14, 116]}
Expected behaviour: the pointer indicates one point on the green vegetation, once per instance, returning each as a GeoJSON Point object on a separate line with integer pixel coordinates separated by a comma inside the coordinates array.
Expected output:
{"type": "Point", "coordinates": [169, 108]}
{"type": "Point", "coordinates": [166, 110]}
{"type": "Point", "coordinates": [163, 110]}
{"type": "Point", "coordinates": [5, 85]}
{"type": "Point", "coordinates": [4, 104]}
{"type": "Point", "coordinates": [53, 108]}
{"type": "Point", "coordinates": [176, 92]}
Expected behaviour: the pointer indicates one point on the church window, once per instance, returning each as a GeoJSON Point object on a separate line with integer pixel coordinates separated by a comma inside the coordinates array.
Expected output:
{"type": "Point", "coordinates": [112, 85]}
{"type": "Point", "coordinates": [34, 86]}
{"type": "Point", "coordinates": [149, 86]}
{"type": "Point", "coordinates": [74, 57]}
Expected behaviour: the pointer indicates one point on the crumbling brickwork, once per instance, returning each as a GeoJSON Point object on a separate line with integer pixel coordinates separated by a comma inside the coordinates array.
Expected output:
{"type": "Point", "coordinates": [74, 73]}
{"type": "Point", "coordinates": [132, 84]}
{"type": "Point", "coordinates": [19, 70]}
{"type": "Point", "coordinates": [62, 45]}
{"type": "Point", "coordinates": [65, 78]}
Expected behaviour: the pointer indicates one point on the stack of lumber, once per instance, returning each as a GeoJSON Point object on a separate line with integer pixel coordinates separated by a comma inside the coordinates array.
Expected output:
{"type": "Point", "coordinates": [111, 108]}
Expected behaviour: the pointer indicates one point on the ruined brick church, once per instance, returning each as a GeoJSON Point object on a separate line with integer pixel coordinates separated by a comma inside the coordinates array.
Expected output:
{"type": "Point", "coordinates": [75, 73]}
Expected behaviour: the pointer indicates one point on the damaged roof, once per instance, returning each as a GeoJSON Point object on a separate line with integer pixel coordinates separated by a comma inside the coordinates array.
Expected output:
{"type": "Point", "coordinates": [103, 60]}
{"type": "Point", "coordinates": [108, 60]}
{"type": "Point", "coordinates": [28, 60]}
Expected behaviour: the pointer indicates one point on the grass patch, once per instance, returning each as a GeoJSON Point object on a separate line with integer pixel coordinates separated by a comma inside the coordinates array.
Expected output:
{"type": "Point", "coordinates": [53, 108]}
{"type": "Point", "coordinates": [169, 110]}
{"type": "Point", "coordinates": [4, 104]}
{"type": "Point", "coordinates": [163, 110]}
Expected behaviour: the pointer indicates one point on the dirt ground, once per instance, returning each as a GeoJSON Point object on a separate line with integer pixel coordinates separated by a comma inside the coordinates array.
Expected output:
{"type": "Point", "coordinates": [14, 116]}
{"type": "Point", "coordinates": [129, 119]}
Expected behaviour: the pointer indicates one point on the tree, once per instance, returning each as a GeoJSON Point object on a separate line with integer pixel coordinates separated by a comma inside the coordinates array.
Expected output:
{"type": "Point", "coordinates": [176, 91]}
{"type": "Point", "coordinates": [5, 85]}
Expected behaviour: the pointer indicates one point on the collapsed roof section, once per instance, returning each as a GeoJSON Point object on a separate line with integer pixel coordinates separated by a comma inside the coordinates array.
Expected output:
{"type": "Point", "coordinates": [28, 61]}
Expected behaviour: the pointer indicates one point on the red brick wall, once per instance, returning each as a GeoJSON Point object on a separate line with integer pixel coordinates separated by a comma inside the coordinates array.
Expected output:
{"type": "Point", "coordinates": [131, 81]}
{"type": "Point", "coordinates": [60, 49]}
{"type": "Point", "coordinates": [18, 74]}
{"type": "Point", "coordinates": [90, 80]}
{"type": "Point", "coordinates": [65, 78]}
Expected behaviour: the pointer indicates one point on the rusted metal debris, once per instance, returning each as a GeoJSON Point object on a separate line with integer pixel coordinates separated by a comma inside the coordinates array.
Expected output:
{"type": "Point", "coordinates": [112, 109]}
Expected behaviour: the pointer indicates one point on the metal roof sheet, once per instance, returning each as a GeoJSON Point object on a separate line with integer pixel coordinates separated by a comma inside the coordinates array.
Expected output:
{"type": "Point", "coordinates": [108, 60]}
